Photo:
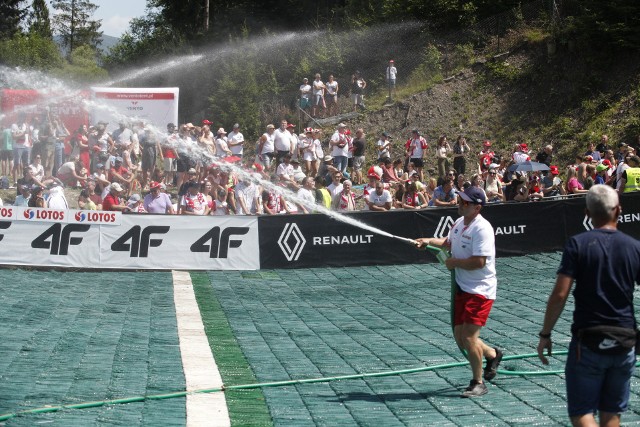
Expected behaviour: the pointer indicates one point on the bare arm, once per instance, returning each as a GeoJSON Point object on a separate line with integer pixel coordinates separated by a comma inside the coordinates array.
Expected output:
{"type": "Point", "coordinates": [555, 306]}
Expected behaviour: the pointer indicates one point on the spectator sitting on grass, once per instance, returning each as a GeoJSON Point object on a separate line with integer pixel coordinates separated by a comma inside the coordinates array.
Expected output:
{"type": "Point", "coordinates": [444, 195]}
{"type": "Point", "coordinates": [413, 199]}
{"type": "Point", "coordinates": [573, 185]}
{"type": "Point", "coordinates": [23, 198]}
{"type": "Point", "coordinates": [345, 200]}
{"type": "Point", "coordinates": [84, 202]}
{"type": "Point", "coordinates": [493, 187]}
{"type": "Point", "coordinates": [552, 184]}
{"type": "Point", "coordinates": [380, 199]}
{"type": "Point", "coordinates": [37, 198]}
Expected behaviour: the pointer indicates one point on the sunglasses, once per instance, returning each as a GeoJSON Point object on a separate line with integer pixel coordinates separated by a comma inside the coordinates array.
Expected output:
{"type": "Point", "coordinates": [492, 173]}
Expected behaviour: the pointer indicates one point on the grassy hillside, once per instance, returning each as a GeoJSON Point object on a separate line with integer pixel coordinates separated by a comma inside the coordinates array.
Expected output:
{"type": "Point", "coordinates": [566, 99]}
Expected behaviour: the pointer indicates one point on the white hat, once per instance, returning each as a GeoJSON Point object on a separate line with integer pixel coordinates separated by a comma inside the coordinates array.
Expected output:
{"type": "Point", "coordinates": [117, 187]}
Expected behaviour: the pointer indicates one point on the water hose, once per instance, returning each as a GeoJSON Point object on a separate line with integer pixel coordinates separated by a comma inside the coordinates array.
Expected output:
{"type": "Point", "coordinates": [177, 394]}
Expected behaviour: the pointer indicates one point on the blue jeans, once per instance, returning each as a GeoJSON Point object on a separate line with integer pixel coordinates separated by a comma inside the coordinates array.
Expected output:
{"type": "Point", "coordinates": [340, 162]}
{"type": "Point", "coordinates": [597, 382]}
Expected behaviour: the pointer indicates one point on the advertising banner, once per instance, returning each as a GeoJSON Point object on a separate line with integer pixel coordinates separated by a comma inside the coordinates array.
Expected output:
{"type": "Point", "coordinates": [181, 242]}
{"type": "Point", "coordinates": [136, 242]}
{"type": "Point", "coordinates": [157, 106]}
{"type": "Point", "coordinates": [297, 241]}
{"type": "Point", "coordinates": [27, 104]}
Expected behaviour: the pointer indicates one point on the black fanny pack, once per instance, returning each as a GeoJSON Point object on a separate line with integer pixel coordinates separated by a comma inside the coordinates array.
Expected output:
{"type": "Point", "coordinates": [605, 339]}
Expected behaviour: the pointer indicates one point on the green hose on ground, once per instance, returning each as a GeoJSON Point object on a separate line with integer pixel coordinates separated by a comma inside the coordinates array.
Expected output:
{"type": "Point", "coordinates": [177, 394]}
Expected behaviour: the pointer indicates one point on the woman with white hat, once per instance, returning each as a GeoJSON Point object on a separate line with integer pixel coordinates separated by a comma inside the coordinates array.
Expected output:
{"type": "Point", "coordinates": [222, 149]}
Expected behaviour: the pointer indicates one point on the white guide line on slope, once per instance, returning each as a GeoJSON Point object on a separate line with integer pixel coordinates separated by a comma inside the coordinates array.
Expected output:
{"type": "Point", "coordinates": [198, 363]}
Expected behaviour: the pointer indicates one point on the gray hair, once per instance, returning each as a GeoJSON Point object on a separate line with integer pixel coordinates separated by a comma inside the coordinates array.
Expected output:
{"type": "Point", "coordinates": [346, 181]}
{"type": "Point", "coordinates": [601, 200]}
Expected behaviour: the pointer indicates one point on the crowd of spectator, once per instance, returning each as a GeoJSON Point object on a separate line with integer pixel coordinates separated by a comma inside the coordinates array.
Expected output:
{"type": "Point", "coordinates": [192, 170]}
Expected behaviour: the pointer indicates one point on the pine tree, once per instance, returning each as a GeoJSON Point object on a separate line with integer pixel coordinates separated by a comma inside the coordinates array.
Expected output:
{"type": "Point", "coordinates": [11, 13]}
{"type": "Point", "coordinates": [39, 19]}
{"type": "Point", "coordinates": [74, 24]}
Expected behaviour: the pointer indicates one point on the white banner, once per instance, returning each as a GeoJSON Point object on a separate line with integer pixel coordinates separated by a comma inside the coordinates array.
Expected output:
{"type": "Point", "coordinates": [64, 216]}
{"type": "Point", "coordinates": [158, 106]}
{"type": "Point", "coordinates": [139, 242]}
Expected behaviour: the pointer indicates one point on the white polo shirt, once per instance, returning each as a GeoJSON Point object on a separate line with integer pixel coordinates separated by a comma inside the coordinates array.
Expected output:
{"type": "Point", "coordinates": [476, 239]}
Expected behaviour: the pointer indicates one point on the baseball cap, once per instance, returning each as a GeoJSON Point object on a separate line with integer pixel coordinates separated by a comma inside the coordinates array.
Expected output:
{"type": "Point", "coordinates": [134, 198]}
{"type": "Point", "coordinates": [117, 187]}
{"type": "Point", "coordinates": [486, 143]}
{"type": "Point", "coordinates": [206, 122]}
{"type": "Point", "coordinates": [99, 166]}
{"type": "Point", "coordinates": [192, 171]}
{"type": "Point", "coordinates": [601, 167]}
{"type": "Point", "coordinates": [290, 125]}
{"type": "Point", "coordinates": [341, 125]}
{"type": "Point", "coordinates": [270, 126]}
{"type": "Point", "coordinates": [119, 159]}
{"type": "Point", "coordinates": [524, 146]}
{"type": "Point", "coordinates": [236, 126]}
{"type": "Point", "coordinates": [474, 195]}
{"type": "Point", "coordinates": [554, 170]}
{"type": "Point", "coordinates": [154, 184]}
{"type": "Point", "coordinates": [327, 158]}
{"type": "Point", "coordinates": [221, 130]}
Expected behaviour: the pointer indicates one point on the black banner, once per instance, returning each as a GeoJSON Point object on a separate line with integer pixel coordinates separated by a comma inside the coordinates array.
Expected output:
{"type": "Point", "coordinates": [295, 241]}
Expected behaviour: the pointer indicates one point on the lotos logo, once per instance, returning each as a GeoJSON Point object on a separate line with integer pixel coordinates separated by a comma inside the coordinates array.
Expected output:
{"type": "Point", "coordinates": [96, 216]}
{"type": "Point", "coordinates": [6, 212]}
{"type": "Point", "coordinates": [44, 214]}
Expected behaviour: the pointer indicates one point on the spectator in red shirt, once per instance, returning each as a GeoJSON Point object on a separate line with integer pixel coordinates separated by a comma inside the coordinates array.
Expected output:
{"type": "Point", "coordinates": [112, 201]}
{"type": "Point", "coordinates": [120, 174]}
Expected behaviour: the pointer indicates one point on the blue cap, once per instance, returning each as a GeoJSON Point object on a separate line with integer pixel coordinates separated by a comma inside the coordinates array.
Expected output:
{"type": "Point", "coordinates": [474, 195]}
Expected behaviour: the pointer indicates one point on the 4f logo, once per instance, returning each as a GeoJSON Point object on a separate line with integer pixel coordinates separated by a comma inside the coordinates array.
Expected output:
{"type": "Point", "coordinates": [137, 240]}
{"type": "Point", "coordinates": [217, 243]}
{"type": "Point", "coordinates": [58, 238]}
{"type": "Point", "coordinates": [3, 226]}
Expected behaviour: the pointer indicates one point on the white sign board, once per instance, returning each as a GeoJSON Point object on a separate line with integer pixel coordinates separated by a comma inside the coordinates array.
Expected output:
{"type": "Point", "coordinates": [157, 106]}
{"type": "Point", "coordinates": [77, 239]}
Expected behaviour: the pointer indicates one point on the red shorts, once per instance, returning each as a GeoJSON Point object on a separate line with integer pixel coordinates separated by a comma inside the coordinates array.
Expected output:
{"type": "Point", "coordinates": [471, 308]}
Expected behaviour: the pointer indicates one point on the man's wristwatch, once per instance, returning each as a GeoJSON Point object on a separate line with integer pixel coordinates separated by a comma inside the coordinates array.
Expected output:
{"type": "Point", "coordinates": [545, 336]}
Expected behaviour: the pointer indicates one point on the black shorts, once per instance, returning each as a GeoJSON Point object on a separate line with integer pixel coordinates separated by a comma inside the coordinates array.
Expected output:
{"type": "Point", "coordinates": [184, 164]}
{"type": "Point", "coordinates": [350, 162]}
{"type": "Point", "coordinates": [417, 162]}
{"type": "Point", "coordinates": [6, 155]}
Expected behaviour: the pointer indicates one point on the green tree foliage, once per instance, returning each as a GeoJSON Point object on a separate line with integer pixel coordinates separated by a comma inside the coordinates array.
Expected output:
{"type": "Point", "coordinates": [82, 66]}
{"type": "Point", "coordinates": [243, 80]}
{"type": "Point", "coordinates": [73, 22]}
{"type": "Point", "coordinates": [605, 24]}
{"type": "Point", "coordinates": [148, 37]}
{"type": "Point", "coordinates": [39, 22]}
{"type": "Point", "coordinates": [31, 51]}
{"type": "Point", "coordinates": [11, 14]}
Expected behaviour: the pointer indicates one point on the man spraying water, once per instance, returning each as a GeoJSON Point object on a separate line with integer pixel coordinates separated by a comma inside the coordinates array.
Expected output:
{"type": "Point", "coordinates": [472, 243]}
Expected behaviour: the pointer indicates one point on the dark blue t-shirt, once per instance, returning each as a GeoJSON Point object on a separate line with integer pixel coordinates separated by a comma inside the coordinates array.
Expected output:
{"type": "Point", "coordinates": [605, 264]}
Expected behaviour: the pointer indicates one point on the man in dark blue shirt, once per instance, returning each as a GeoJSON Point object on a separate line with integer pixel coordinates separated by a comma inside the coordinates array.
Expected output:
{"type": "Point", "coordinates": [605, 264]}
